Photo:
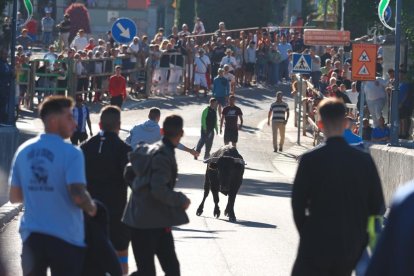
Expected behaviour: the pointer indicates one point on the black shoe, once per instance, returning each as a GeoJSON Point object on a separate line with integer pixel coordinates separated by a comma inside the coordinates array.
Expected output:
{"type": "Point", "coordinates": [280, 149]}
{"type": "Point", "coordinates": [207, 156]}
{"type": "Point", "coordinates": [275, 150]}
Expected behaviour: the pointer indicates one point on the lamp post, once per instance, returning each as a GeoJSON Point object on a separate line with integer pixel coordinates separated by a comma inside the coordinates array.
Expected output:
{"type": "Point", "coordinates": [11, 118]}
{"type": "Point", "coordinates": [395, 122]}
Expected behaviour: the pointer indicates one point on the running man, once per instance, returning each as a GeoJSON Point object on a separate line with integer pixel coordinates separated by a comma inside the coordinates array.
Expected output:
{"type": "Point", "coordinates": [231, 114]}
{"type": "Point", "coordinates": [221, 89]}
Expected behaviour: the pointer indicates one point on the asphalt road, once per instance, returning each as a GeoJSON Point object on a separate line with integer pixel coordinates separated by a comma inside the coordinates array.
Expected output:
{"type": "Point", "coordinates": [264, 239]}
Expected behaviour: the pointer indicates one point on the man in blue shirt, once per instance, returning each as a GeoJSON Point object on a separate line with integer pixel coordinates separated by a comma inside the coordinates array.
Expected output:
{"type": "Point", "coordinates": [351, 138]}
{"type": "Point", "coordinates": [221, 89]}
{"type": "Point", "coordinates": [82, 118]}
{"type": "Point", "coordinates": [381, 133]}
{"type": "Point", "coordinates": [48, 176]}
{"type": "Point", "coordinates": [284, 47]}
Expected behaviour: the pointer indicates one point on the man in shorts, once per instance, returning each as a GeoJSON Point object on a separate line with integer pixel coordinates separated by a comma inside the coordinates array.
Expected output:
{"type": "Point", "coordinates": [48, 176]}
{"type": "Point", "coordinates": [231, 114]}
{"type": "Point", "coordinates": [221, 89]}
{"type": "Point", "coordinates": [105, 158]}
{"type": "Point", "coordinates": [201, 68]}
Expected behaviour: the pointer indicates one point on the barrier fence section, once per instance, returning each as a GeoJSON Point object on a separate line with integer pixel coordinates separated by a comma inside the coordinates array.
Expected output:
{"type": "Point", "coordinates": [90, 78]}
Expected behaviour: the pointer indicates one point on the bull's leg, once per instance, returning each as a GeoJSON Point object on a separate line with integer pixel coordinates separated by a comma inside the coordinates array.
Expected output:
{"type": "Point", "coordinates": [216, 202]}
{"type": "Point", "coordinates": [230, 206]}
{"type": "Point", "coordinates": [206, 192]}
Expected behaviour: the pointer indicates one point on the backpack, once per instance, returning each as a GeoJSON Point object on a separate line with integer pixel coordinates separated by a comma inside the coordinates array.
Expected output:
{"type": "Point", "coordinates": [137, 172]}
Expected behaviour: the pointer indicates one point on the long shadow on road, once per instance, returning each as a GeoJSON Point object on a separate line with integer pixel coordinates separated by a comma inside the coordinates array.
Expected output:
{"type": "Point", "coordinates": [250, 187]}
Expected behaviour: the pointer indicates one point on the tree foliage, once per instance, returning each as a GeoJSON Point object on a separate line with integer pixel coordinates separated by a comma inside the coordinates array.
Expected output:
{"type": "Point", "coordinates": [235, 13]}
{"type": "Point", "coordinates": [185, 13]}
{"type": "Point", "coordinates": [359, 15]}
{"type": "Point", "coordinates": [79, 19]}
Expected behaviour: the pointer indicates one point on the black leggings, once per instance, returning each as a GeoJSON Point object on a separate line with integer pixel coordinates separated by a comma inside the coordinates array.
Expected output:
{"type": "Point", "coordinates": [149, 242]}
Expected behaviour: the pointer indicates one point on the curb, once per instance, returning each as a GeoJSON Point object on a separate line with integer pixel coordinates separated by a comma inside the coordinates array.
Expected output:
{"type": "Point", "coordinates": [8, 212]}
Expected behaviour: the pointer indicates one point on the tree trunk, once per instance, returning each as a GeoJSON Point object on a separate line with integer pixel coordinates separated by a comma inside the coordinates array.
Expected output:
{"type": "Point", "coordinates": [325, 13]}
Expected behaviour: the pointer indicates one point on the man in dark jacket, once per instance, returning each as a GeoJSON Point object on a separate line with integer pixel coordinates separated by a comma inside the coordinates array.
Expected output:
{"type": "Point", "coordinates": [154, 207]}
{"type": "Point", "coordinates": [105, 158]}
{"type": "Point", "coordinates": [331, 203]}
{"type": "Point", "coordinates": [208, 126]}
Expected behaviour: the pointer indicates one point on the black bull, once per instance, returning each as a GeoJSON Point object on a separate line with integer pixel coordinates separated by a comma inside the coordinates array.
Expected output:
{"type": "Point", "coordinates": [224, 173]}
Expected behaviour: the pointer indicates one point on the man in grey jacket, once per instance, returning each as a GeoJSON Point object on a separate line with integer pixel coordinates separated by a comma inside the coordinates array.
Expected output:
{"type": "Point", "coordinates": [154, 207]}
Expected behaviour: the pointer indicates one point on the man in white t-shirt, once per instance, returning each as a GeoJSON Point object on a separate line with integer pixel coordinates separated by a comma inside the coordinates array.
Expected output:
{"type": "Point", "coordinates": [376, 97]}
{"type": "Point", "coordinates": [201, 68]}
{"type": "Point", "coordinates": [352, 93]}
{"type": "Point", "coordinates": [80, 41]}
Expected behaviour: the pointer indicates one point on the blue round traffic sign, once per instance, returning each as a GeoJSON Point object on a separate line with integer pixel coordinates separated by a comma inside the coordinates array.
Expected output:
{"type": "Point", "coordinates": [123, 30]}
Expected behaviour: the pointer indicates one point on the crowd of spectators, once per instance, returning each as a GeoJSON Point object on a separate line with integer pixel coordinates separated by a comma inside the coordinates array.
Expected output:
{"type": "Point", "coordinates": [184, 62]}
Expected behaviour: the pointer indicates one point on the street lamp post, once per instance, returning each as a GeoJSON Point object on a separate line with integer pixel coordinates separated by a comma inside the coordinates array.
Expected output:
{"type": "Point", "coordinates": [11, 119]}
{"type": "Point", "coordinates": [395, 122]}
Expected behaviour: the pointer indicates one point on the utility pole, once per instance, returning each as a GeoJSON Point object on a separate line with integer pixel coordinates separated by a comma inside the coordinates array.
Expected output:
{"type": "Point", "coordinates": [395, 121]}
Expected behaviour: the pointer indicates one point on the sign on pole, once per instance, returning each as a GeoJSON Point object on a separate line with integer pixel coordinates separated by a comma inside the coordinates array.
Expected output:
{"type": "Point", "coordinates": [364, 62]}
{"type": "Point", "coordinates": [316, 37]}
{"type": "Point", "coordinates": [123, 30]}
{"type": "Point", "coordinates": [302, 64]}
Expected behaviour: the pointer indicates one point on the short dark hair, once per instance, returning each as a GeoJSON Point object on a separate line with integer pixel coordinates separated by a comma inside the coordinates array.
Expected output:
{"type": "Point", "coordinates": [154, 113]}
{"type": "Point", "coordinates": [53, 105]}
{"type": "Point", "coordinates": [173, 126]}
{"type": "Point", "coordinates": [110, 118]}
{"type": "Point", "coordinates": [232, 97]}
{"type": "Point", "coordinates": [332, 111]}
{"type": "Point", "coordinates": [212, 100]}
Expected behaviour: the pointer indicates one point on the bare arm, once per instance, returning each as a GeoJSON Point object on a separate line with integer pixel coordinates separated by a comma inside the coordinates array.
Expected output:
{"type": "Point", "coordinates": [268, 117]}
{"type": "Point", "coordinates": [82, 198]}
{"type": "Point", "coordinates": [221, 123]}
{"type": "Point", "coordinates": [287, 115]}
{"type": "Point", "coordinates": [241, 121]}
{"type": "Point", "coordinates": [16, 194]}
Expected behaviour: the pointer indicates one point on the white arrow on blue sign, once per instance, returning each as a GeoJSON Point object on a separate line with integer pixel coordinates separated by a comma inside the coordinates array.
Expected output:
{"type": "Point", "coordinates": [302, 64]}
{"type": "Point", "coordinates": [123, 30]}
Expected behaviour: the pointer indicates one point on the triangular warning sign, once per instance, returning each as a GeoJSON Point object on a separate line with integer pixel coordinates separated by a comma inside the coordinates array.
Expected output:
{"type": "Point", "coordinates": [302, 64]}
{"type": "Point", "coordinates": [364, 57]}
{"type": "Point", "coordinates": [363, 71]}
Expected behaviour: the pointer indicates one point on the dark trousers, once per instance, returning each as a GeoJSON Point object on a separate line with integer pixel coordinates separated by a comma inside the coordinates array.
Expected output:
{"type": "Point", "coordinates": [206, 138]}
{"type": "Point", "coordinates": [284, 69]}
{"type": "Point", "coordinates": [307, 267]}
{"type": "Point", "coordinates": [149, 242]}
{"type": "Point", "coordinates": [316, 77]}
{"type": "Point", "coordinates": [42, 251]}
{"type": "Point", "coordinates": [78, 137]}
{"type": "Point", "coordinates": [117, 100]}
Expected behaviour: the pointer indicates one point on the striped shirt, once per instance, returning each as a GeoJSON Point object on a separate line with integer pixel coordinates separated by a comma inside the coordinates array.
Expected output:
{"type": "Point", "coordinates": [279, 110]}
{"type": "Point", "coordinates": [80, 115]}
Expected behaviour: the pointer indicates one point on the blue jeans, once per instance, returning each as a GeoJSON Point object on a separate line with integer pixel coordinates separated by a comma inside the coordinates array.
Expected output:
{"type": "Point", "coordinates": [47, 38]}
{"type": "Point", "coordinates": [205, 139]}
